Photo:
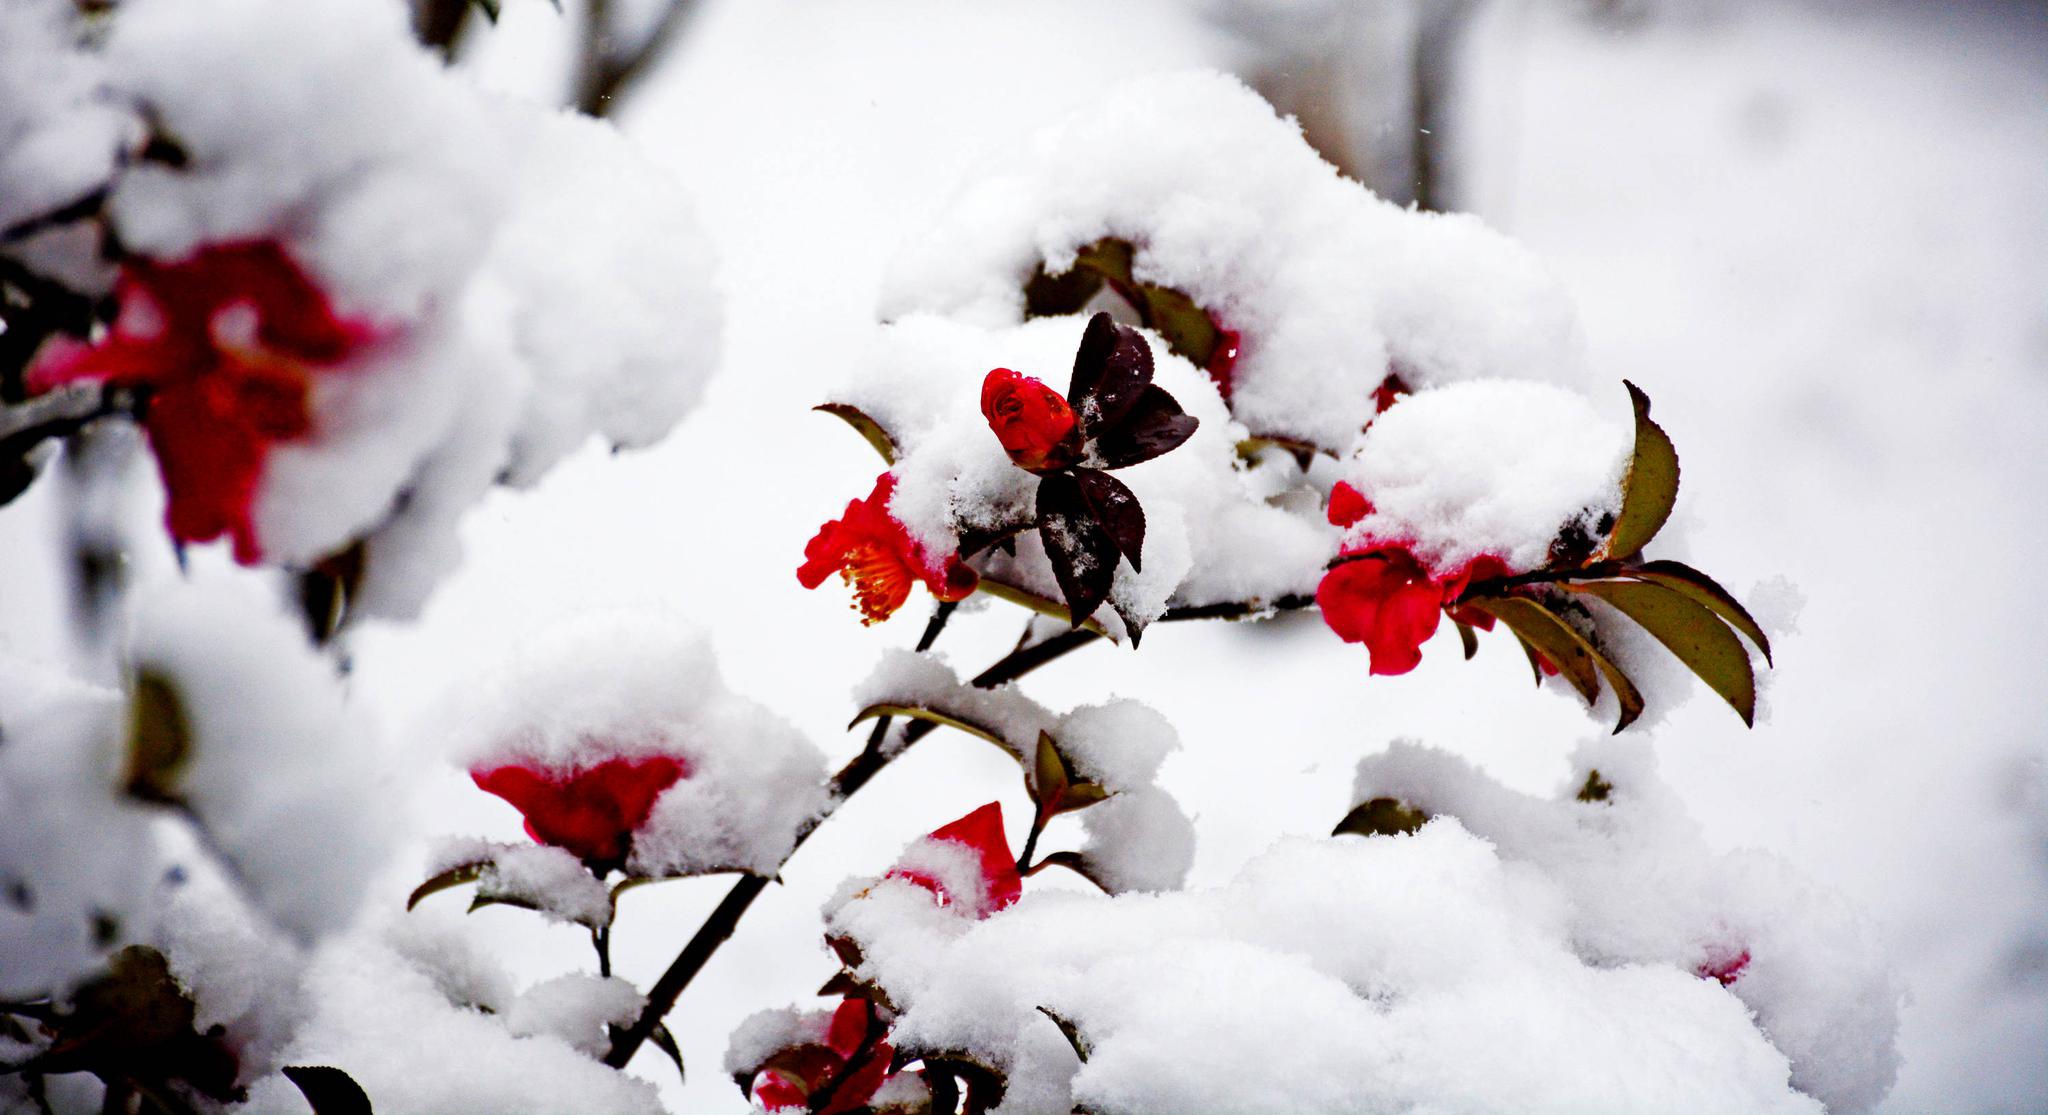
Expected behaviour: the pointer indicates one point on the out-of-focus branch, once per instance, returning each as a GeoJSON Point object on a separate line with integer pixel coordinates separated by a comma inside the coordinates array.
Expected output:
{"type": "Point", "coordinates": [605, 67]}
{"type": "Point", "coordinates": [440, 23]}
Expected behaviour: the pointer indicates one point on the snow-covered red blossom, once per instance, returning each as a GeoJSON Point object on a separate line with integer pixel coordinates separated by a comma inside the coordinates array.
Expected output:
{"type": "Point", "coordinates": [794, 1076]}
{"type": "Point", "coordinates": [1033, 421]}
{"type": "Point", "coordinates": [1382, 596]}
{"type": "Point", "coordinates": [1724, 966]}
{"type": "Point", "coordinates": [933, 863]}
{"type": "Point", "coordinates": [875, 555]}
{"type": "Point", "coordinates": [227, 342]}
{"type": "Point", "coordinates": [591, 812]}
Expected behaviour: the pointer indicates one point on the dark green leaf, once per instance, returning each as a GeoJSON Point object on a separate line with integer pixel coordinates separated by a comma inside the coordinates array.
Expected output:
{"type": "Point", "coordinates": [1535, 659]}
{"type": "Point", "coordinates": [1543, 629]}
{"type": "Point", "coordinates": [1188, 329]}
{"type": "Point", "coordinates": [135, 1024]}
{"type": "Point", "coordinates": [935, 716]}
{"type": "Point", "coordinates": [1690, 631]}
{"type": "Point", "coordinates": [1303, 452]}
{"type": "Point", "coordinates": [1596, 788]}
{"type": "Point", "coordinates": [1069, 1031]}
{"type": "Point", "coordinates": [1048, 774]}
{"type": "Point", "coordinates": [1380, 817]}
{"type": "Point", "coordinates": [453, 877]}
{"type": "Point", "coordinates": [865, 426]}
{"type": "Point", "coordinates": [330, 1090]}
{"type": "Point", "coordinates": [1046, 295]}
{"type": "Point", "coordinates": [1552, 637]}
{"type": "Point", "coordinates": [1116, 508]}
{"type": "Point", "coordinates": [1470, 640]}
{"type": "Point", "coordinates": [1027, 599]}
{"type": "Point", "coordinates": [1082, 554]}
{"type": "Point", "coordinates": [1072, 861]}
{"type": "Point", "coordinates": [1690, 582]}
{"type": "Point", "coordinates": [1649, 488]}
{"type": "Point", "coordinates": [159, 739]}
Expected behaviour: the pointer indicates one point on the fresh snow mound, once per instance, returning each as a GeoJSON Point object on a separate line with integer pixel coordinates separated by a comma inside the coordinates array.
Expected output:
{"type": "Point", "coordinates": [618, 684]}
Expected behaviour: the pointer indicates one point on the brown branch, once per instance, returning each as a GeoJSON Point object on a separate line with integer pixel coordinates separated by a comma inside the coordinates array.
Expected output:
{"type": "Point", "coordinates": [661, 998]}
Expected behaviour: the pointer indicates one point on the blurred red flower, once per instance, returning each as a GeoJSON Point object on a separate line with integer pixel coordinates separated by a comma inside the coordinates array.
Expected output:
{"type": "Point", "coordinates": [226, 343]}
{"type": "Point", "coordinates": [593, 812]}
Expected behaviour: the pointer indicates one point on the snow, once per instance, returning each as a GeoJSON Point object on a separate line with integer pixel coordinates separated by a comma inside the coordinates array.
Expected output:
{"type": "Point", "coordinates": [1645, 889]}
{"type": "Point", "coordinates": [1487, 467]}
{"type": "Point", "coordinates": [539, 876]}
{"type": "Point", "coordinates": [382, 1014]}
{"type": "Point", "coordinates": [60, 766]}
{"type": "Point", "coordinates": [58, 137]}
{"type": "Point", "coordinates": [1139, 838]}
{"type": "Point", "coordinates": [1332, 288]}
{"type": "Point", "coordinates": [1351, 975]}
{"type": "Point", "coordinates": [419, 204]}
{"type": "Point", "coordinates": [279, 766]}
{"type": "Point", "coordinates": [626, 685]}
{"type": "Point", "coordinates": [576, 1009]}
{"type": "Point", "coordinates": [1808, 233]}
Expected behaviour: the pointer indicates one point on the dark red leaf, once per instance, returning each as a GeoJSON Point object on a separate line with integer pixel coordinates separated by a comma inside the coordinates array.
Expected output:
{"type": "Point", "coordinates": [1109, 378]}
{"type": "Point", "coordinates": [1154, 425]}
{"type": "Point", "coordinates": [330, 1090]}
{"type": "Point", "coordinates": [1116, 508]}
{"type": "Point", "coordinates": [1082, 553]}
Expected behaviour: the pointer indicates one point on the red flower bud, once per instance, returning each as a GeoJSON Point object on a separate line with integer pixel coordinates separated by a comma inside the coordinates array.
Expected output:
{"type": "Point", "coordinates": [593, 812]}
{"type": "Point", "coordinates": [228, 342]}
{"type": "Point", "coordinates": [874, 554]}
{"type": "Point", "coordinates": [1033, 421]}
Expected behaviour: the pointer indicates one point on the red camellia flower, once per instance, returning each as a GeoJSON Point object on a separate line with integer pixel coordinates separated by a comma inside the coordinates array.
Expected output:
{"type": "Point", "coordinates": [1380, 595]}
{"type": "Point", "coordinates": [1724, 965]}
{"type": "Point", "coordinates": [1033, 421]}
{"type": "Point", "coordinates": [226, 343]}
{"type": "Point", "coordinates": [872, 552]}
{"type": "Point", "coordinates": [1386, 600]}
{"type": "Point", "coordinates": [810, 1070]}
{"type": "Point", "coordinates": [980, 832]}
{"type": "Point", "coordinates": [591, 812]}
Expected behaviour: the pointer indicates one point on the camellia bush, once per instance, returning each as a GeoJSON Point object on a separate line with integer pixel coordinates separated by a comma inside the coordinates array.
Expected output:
{"type": "Point", "coordinates": [1139, 375]}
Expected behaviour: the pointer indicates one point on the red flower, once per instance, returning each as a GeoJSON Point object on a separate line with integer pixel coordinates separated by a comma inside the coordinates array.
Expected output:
{"type": "Point", "coordinates": [593, 812]}
{"type": "Point", "coordinates": [1033, 421]}
{"type": "Point", "coordinates": [872, 552]}
{"type": "Point", "coordinates": [1389, 392]}
{"type": "Point", "coordinates": [1347, 505]}
{"type": "Point", "coordinates": [795, 1075]}
{"type": "Point", "coordinates": [226, 342]}
{"type": "Point", "coordinates": [1380, 595]}
{"type": "Point", "coordinates": [980, 832]}
{"type": "Point", "coordinates": [1386, 600]}
{"type": "Point", "coordinates": [1723, 966]}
